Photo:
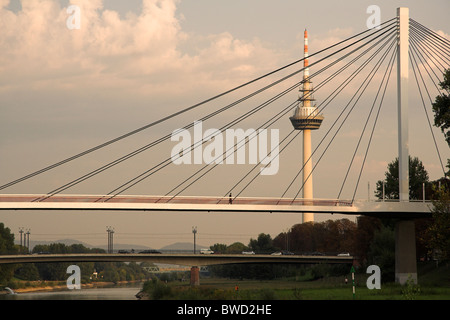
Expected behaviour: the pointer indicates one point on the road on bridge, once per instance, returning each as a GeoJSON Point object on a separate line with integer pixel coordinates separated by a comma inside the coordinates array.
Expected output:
{"type": "Point", "coordinates": [176, 259]}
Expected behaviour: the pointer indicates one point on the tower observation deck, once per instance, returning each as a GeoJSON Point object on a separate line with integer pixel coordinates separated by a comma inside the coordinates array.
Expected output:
{"type": "Point", "coordinates": [306, 115]}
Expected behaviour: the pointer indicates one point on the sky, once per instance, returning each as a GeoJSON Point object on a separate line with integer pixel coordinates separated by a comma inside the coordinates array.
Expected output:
{"type": "Point", "coordinates": [63, 91]}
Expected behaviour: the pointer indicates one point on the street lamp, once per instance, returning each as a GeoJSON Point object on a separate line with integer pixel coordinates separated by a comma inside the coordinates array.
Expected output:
{"type": "Point", "coordinates": [287, 238]}
{"type": "Point", "coordinates": [27, 236]}
{"type": "Point", "coordinates": [110, 238]}
{"type": "Point", "coordinates": [194, 231]}
{"type": "Point", "coordinates": [21, 243]}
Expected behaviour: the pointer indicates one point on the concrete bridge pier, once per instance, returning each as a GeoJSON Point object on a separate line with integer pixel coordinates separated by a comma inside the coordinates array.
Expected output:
{"type": "Point", "coordinates": [405, 241]}
{"type": "Point", "coordinates": [405, 252]}
{"type": "Point", "coordinates": [195, 276]}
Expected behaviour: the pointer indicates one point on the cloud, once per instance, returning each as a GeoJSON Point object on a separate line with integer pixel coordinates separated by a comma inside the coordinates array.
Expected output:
{"type": "Point", "coordinates": [143, 55]}
{"type": "Point", "coordinates": [136, 53]}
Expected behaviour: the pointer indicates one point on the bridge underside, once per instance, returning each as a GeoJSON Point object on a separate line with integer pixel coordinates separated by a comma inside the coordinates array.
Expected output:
{"type": "Point", "coordinates": [215, 204]}
{"type": "Point", "coordinates": [175, 259]}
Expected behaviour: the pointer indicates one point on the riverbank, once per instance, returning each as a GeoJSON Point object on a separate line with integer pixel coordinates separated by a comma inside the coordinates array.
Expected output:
{"type": "Point", "coordinates": [47, 286]}
{"type": "Point", "coordinates": [289, 289]}
{"type": "Point", "coordinates": [434, 284]}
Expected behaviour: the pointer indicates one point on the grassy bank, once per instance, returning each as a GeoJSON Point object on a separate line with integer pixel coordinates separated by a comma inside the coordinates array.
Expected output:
{"type": "Point", "coordinates": [222, 289]}
{"type": "Point", "coordinates": [434, 284]}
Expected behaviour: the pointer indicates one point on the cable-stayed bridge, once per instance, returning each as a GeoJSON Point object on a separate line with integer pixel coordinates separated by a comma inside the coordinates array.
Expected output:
{"type": "Point", "coordinates": [359, 68]}
{"type": "Point", "coordinates": [392, 209]}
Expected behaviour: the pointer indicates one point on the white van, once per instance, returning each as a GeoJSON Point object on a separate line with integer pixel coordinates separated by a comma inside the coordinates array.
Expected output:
{"type": "Point", "coordinates": [344, 254]}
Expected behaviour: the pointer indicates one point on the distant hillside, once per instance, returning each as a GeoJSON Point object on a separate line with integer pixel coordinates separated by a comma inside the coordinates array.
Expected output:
{"type": "Point", "coordinates": [178, 246]}
{"type": "Point", "coordinates": [124, 246]}
{"type": "Point", "coordinates": [67, 242]}
{"type": "Point", "coordinates": [182, 246]}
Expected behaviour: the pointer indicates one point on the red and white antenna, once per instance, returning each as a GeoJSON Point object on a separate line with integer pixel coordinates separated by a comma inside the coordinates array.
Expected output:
{"type": "Point", "coordinates": [305, 61]}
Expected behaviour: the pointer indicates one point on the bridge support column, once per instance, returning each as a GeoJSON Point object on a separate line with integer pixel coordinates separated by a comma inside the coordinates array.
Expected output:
{"type": "Point", "coordinates": [195, 276]}
{"type": "Point", "coordinates": [402, 102]}
{"type": "Point", "coordinates": [405, 252]}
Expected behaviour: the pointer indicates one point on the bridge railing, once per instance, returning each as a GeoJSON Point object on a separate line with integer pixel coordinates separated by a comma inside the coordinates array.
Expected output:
{"type": "Point", "coordinates": [395, 200]}
{"type": "Point", "coordinates": [179, 199]}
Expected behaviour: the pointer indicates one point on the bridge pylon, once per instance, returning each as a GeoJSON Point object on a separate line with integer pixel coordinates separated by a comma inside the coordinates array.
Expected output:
{"type": "Point", "coordinates": [405, 240]}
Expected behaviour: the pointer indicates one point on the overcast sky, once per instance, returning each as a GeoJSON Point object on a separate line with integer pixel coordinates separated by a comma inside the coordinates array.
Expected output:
{"type": "Point", "coordinates": [132, 62]}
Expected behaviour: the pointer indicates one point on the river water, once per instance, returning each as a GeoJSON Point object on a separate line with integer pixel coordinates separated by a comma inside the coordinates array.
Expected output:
{"type": "Point", "coordinates": [122, 292]}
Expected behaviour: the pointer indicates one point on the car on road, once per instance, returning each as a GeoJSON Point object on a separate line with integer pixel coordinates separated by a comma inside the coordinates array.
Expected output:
{"type": "Point", "coordinates": [206, 251]}
{"type": "Point", "coordinates": [344, 254]}
{"type": "Point", "coordinates": [125, 251]}
{"type": "Point", "coordinates": [282, 253]}
{"type": "Point", "coordinates": [248, 252]}
{"type": "Point", "coordinates": [150, 251]}
{"type": "Point", "coordinates": [315, 253]}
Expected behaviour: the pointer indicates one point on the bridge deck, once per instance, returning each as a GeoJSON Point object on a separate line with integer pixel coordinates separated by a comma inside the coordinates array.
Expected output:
{"type": "Point", "coordinates": [176, 259]}
{"type": "Point", "coordinates": [212, 204]}
{"type": "Point", "coordinates": [166, 199]}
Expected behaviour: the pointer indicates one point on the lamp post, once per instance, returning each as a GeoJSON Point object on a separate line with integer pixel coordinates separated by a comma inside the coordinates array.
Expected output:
{"type": "Point", "coordinates": [110, 231]}
{"type": "Point", "coordinates": [287, 238]}
{"type": "Point", "coordinates": [194, 231]}
{"type": "Point", "coordinates": [21, 243]}
{"type": "Point", "coordinates": [27, 237]}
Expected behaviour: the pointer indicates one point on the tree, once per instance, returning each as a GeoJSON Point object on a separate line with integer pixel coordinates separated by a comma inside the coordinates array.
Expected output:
{"type": "Point", "coordinates": [302, 237]}
{"type": "Point", "coordinates": [331, 236]}
{"type": "Point", "coordinates": [382, 252]}
{"type": "Point", "coordinates": [417, 176]}
{"type": "Point", "coordinates": [439, 230]}
{"type": "Point", "coordinates": [27, 271]}
{"type": "Point", "coordinates": [447, 174]}
{"type": "Point", "coordinates": [366, 228]}
{"type": "Point", "coordinates": [6, 247]}
{"type": "Point", "coordinates": [264, 244]}
{"type": "Point", "coordinates": [219, 248]}
{"type": "Point", "coordinates": [236, 247]}
{"type": "Point", "coordinates": [6, 241]}
{"type": "Point", "coordinates": [347, 232]}
{"type": "Point", "coordinates": [441, 107]}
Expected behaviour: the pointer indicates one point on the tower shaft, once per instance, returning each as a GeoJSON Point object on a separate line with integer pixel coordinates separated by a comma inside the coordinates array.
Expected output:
{"type": "Point", "coordinates": [307, 173]}
{"type": "Point", "coordinates": [307, 162]}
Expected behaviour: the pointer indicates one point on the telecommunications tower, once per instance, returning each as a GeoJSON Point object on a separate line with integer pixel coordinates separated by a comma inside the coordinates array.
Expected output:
{"type": "Point", "coordinates": [306, 118]}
